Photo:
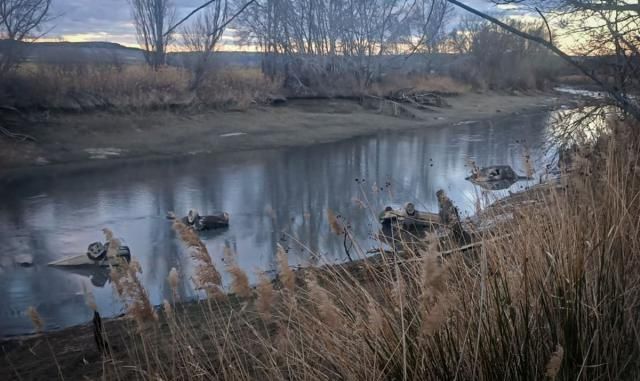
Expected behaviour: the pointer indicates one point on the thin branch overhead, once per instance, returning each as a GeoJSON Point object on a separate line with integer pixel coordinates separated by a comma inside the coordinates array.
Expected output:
{"type": "Point", "coordinates": [621, 98]}
{"type": "Point", "coordinates": [185, 18]}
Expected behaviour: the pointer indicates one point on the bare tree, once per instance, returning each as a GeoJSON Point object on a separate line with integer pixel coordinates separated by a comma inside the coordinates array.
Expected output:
{"type": "Point", "coordinates": [427, 25]}
{"type": "Point", "coordinates": [19, 19]}
{"type": "Point", "coordinates": [460, 39]}
{"type": "Point", "coordinates": [310, 39]}
{"type": "Point", "coordinates": [153, 19]}
{"type": "Point", "coordinates": [203, 35]}
{"type": "Point", "coordinates": [608, 28]}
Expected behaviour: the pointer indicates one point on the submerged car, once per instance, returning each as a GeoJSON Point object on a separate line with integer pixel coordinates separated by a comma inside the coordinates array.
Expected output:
{"type": "Point", "coordinates": [96, 256]}
{"type": "Point", "coordinates": [495, 177]}
{"type": "Point", "coordinates": [200, 223]}
{"type": "Point", "coordinates": [408, 218]}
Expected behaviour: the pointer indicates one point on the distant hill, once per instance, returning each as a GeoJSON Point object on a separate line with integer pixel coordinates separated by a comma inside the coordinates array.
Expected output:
{"type": "Point", "coordinates": [110, 52]}
{"type": "Point", "coordinates": [87, 44]}
{"type": "Point", "coordinates": [103, 52]}
{"type": "Point", "coordinates": [75, 52]}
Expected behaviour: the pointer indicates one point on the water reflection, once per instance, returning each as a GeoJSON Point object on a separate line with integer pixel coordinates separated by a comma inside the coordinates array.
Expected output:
{"type": "Point", "coordinates": [99, 276]}
{"type": "Point", "coordinates": [277, 196]}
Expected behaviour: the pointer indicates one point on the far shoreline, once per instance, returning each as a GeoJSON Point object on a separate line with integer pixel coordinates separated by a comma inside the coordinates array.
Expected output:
{"type": "Point", "coordinates": [82, 141]}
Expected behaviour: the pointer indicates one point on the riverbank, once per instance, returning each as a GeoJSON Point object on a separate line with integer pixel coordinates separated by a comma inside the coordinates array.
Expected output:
{"type": "Point", "coordinates": [85, 138]}
{"type": "Point", "coordinates": [567, 260]}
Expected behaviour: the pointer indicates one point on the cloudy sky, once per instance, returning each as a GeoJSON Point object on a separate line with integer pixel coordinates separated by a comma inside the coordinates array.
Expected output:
{"type": "Point", "coordinates": [99, 20]}
{"type": "Point", "coordinates": [110, 20]}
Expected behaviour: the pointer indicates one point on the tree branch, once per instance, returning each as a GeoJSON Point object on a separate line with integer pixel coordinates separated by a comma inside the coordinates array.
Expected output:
{"type": "Point", "coordinates": [546, 23]}
{"type": "Point", "coordinates": [623, 101]}
{"type": "Point", "coordinates": [185, 18]}
{"type": "Point", "coordinates": [233, 17]}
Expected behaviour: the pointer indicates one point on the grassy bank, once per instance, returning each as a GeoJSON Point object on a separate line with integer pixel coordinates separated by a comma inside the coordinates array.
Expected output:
{"type": "Point", "coordinates": [130, 87]}
{"type": "Point", "coordinates": [550, 294]}
{"type": "Point", "coordinates": [86, 87]}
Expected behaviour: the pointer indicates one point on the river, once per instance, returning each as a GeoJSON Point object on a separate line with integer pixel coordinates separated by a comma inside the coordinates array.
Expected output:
{"type": "Point", "coordinates": [273, 196]}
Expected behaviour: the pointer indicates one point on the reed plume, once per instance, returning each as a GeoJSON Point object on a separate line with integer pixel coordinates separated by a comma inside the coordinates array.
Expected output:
{"type": "Point", "coordinates": [375, 319]}
{"type": "Point", "coordinates": [135, 295]}
{"type": "Point", "coordinates": [336, 226]}
{"type": "Point", "coordinates": [128, 286]}
{"type": "Point", "coordinates": [287, 276]}
{"type": "Point", "coordinates": [435, 316]}
{"type": "Point", "coordinates": [36, 320]}
{"type": "Point", "coordinates": [166, 306]}
{"type": "Point", "coordinates": [239, 279]}
{"type": "Point", "coordinates": [266, 297]}
{"type": "Point", "coordinates": [89, 298]}
{"type": "Point", "coordinates": [174, 279]}
{"type": "Point", "coordinates": [327, 311]}
{"type": "Point", "coordinates": [555, 362]}
{"type": "Point", "coordinates": [206, 276]}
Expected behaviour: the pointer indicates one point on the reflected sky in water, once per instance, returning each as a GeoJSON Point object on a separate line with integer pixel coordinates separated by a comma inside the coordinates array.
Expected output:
{"type": "Point", "coordinates": [273, 196]}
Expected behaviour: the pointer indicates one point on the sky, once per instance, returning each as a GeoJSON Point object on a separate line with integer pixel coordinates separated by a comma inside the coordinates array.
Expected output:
{"type": "Point", "coordinates": [99, 20]}
{"type": "Point", "coordinates": [110, 20]}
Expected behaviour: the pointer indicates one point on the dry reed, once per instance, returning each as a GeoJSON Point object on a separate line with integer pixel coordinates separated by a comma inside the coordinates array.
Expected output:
{"type": "Point", "coordinates": [36, 320]}
{"type": "Point", "coordinates": [206, 276]}
{"type": "Point", "coordinates": [287, 276]}
{"type": "Point", "coordinates": [266, 297]}
{"type": "Point", "coordinates": [239, 279]}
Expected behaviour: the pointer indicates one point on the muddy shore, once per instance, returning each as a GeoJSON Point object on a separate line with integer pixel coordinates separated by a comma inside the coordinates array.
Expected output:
{"type": "Point", "coordinates": [87, 139]}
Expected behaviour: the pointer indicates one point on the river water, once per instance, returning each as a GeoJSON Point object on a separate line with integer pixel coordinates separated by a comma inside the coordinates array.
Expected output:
{"type": "Point", "coordinates": [273, 196]}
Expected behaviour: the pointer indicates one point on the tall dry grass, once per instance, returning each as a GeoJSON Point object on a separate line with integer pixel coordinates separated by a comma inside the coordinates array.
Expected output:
{"type": "Point", "coordinates": [553, 294]}
{"type": "Point", "coordinates": [86, 87]}
{"type": "Point", "coordinates": [91, 86]}
{"type": "Point", "coordinates": [422, 83]}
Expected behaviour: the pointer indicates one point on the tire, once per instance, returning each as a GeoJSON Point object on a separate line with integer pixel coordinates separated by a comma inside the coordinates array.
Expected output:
{"type": "Point", "coordinates": [96, 251]}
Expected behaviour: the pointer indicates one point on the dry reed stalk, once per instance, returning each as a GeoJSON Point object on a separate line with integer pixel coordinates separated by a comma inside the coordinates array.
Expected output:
{"type": "Point", "coordinates": [398, 290]}
{"type": "Point", "coordinates": [206, 276]}
{"type": "Point", "coordinates": [128, 286]}
{"type": "Point", "coordinates": [336, 226]}
{"type": "Point", "coordinates": [375, 319]}
{"type": "Point", "coordinates": [89, 298]}
{"type": "Point", "coordinates": [286, 275]}
{"type": "Point", "coordinates": [36, 320]}
{"type": "Point", "coordinates": [166, 306]}
{"type": "Point", "coordinates": [240, 280]}
{"type": "Point", "coordinates": [108, 234]}
{"type": "Point", "coordinates": [433, 275]}
{"type": "Point", "coordinates": [528, 165]}
{"type": "Point", "coordinates": [327, 311]}
{"type": "Point", "coordinates": [137, 298]}
{"type": "Point", "coordinates": [266, 297]}
{"type": "Point", "coordinates": [435, 317]}
{"type": "Point", "coordinates": [174, 279]}
{"type": "Point", "coordinates": [555, 362]}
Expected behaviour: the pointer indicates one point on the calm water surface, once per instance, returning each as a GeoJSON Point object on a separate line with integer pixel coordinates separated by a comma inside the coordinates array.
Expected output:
{"type": "Point", "coordinates": [274, 196]}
